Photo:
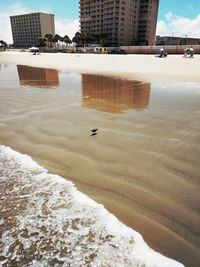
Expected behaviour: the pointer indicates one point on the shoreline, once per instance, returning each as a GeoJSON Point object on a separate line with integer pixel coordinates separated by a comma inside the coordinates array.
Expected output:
{"type": "Point", "coordinates": [140, 67]}
{"type": "Point", "coordinates": [100, 226]}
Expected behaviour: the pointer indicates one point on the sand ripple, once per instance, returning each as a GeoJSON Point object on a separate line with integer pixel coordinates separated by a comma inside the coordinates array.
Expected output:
{"type": "Point", "coordinates": [143, 165]}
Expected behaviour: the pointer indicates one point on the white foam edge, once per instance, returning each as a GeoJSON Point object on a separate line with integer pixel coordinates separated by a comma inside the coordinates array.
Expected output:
{"type": "Point", "coordinates": [141, 251]}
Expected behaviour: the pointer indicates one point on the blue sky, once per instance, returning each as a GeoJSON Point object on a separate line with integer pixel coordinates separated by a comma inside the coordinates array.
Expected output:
{"type": "Point", "coordinates": [184, 8]}
{"type": "Point", "coordinates": [69, 8]}
{"type": "Point", "coordinates": [61, 8]}
{"type": "Point", "coordinates": [177, 17]}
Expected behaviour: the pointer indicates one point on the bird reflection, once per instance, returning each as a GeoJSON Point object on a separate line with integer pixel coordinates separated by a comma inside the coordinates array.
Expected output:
{"type": "Point", "coordinates": [94, 131]}
{"type": "Point", "coordinates": [114, 95]}
{"type": "Point", "coordinates": [93, 134]}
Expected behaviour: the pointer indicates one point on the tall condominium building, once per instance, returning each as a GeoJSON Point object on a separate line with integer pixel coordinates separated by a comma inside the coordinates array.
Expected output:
{"type": "Point", "coordinates": [120, 22]}
{"type": "Point", "coordinates": [27, 28]}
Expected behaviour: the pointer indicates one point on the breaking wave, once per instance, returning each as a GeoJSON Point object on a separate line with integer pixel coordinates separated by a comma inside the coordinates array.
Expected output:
{"type": "Point", "coordinates": [46, 221]}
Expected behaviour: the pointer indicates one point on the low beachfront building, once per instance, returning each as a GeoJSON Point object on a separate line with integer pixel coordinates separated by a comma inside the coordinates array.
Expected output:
{"type": "Point", "coordinates": [28, 28]}
{"type": "Point", "coordinates": [174, 40]}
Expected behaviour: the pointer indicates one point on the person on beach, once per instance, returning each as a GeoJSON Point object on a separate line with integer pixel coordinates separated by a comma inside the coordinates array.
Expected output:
{"type": "Point", "coordinates": [189, 52]}
{"type": "Point", "coordinates": [163, 52]}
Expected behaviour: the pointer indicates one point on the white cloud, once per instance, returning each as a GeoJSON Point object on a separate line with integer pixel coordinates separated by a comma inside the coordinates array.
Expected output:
{"type": "Point", "coordinates": [169, 16]}
{"type": "Point", "coordinates": [62, 27]}
{"type": "Point", "coordinates": [67, 27]}
{"type": "Point", "coordinates": [5, 28]}
{"type": "Point", "coordinates": [179, 26]}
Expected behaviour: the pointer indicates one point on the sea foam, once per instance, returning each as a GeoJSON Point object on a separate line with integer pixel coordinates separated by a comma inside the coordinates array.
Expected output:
{"type": "Point", "coordinates": [46, 221]}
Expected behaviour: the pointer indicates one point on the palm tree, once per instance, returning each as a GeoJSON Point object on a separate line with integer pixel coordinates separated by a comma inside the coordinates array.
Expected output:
{"type": "Point", "coordinates": [49, 38]}
{"type": "Point", "coordinates": [42, 42]}
{"type": "Point", "coordinates": [91, 38]}
{"type": "Point", "coordinates": [86, 38]}
{"type": "Point", "coordinates": [100, 39]}
{"type": "Point", "coordinates": [67, 40]}
{"type": "Point", "coordinates": [61, 40]}
{"type": "Point", "coordinates": [77, 38]}
{"type": "Point", "coordinates": [4, 44]}
{"type": "Point", "coordinates": [56, 38]}
{"type": "Point", "coordinates": [82, 38]}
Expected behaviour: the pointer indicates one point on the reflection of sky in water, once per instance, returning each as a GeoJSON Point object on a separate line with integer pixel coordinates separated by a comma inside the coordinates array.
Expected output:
{"type": "Point", "coordinates": [175, 96]}
{"type": "Point", "coordinates": [104, 93]}
{"type": "Point", "coordinates": [8, 74]}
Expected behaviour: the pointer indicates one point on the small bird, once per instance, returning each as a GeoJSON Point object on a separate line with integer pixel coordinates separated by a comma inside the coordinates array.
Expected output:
{"type": "Point", "coordinates": [94, 130]}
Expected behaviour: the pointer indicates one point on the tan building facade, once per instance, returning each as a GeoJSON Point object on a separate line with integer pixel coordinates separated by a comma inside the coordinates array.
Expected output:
{"type": "Point", "coordinates": [120, 22]}
{"type": "Point", "coordinates": [27, 28]}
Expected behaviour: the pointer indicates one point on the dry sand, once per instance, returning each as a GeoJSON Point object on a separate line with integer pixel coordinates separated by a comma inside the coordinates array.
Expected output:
{"type": "Point", "coordinates": [142, 67]}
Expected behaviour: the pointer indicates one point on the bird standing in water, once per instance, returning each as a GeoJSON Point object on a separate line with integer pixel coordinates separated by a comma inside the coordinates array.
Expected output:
{"type": "Point", "coordinates": [94, 131]}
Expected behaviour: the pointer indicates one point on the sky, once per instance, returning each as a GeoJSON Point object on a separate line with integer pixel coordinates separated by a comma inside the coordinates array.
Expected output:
{"type": "Point", "coordinates": [175, 17]}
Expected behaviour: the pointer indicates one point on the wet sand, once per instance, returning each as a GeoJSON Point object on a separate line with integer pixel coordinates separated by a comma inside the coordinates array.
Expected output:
{"type": "Point", "coordinates": [144, 163]}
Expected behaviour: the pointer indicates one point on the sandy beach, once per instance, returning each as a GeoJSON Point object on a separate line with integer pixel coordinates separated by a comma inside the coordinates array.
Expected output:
{"type": "Point", "coordinates": [141, 67]}
{"type": "Point", "coordinates": [143, 165]}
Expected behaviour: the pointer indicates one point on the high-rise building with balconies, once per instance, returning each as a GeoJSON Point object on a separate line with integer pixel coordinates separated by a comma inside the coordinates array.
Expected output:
{"type": "Point", "coordinates": [28, 28]}
{"type": "Point", "coordinates": [120, 22]}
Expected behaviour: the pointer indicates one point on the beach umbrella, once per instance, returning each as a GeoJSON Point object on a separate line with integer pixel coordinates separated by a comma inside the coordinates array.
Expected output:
{"type": "Point", "coordinates": [34, 49]}
{"type": "Point", "coordinates": [189, 49]}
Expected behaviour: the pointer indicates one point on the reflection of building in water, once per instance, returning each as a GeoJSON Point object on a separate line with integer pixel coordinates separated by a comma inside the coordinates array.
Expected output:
{"type": "Point", "coordinates": [38, 77]}
{"type": "Point", "coordinates": [114, 95]}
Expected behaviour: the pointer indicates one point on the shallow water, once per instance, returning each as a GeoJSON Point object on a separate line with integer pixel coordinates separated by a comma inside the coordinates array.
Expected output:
{"type": "Point", "coordinates": [143, 164]}
{"type": "Point", "coordinates": [46, 222]}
